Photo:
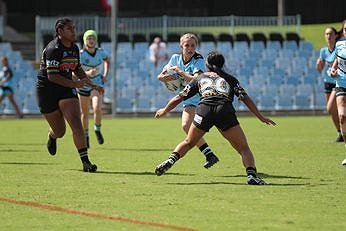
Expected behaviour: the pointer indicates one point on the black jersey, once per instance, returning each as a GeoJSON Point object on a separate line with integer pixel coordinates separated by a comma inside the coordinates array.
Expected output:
{"type": "Point", "coordinates": [213, 89]}
{"type": "Point", "coordinates": [57, 59]}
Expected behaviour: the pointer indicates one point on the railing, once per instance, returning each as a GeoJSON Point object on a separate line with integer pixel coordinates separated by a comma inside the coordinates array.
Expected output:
{"type": "Point", "coordinates": [2, 26]}
{"type": "Point", "coordinates": [171, 24]}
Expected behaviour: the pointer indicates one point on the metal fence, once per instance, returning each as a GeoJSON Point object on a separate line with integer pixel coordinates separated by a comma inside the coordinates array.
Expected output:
{"type": "Point", "coordinates": [2, 26]}
{"type": "Point", "coordinates": [171, 24]}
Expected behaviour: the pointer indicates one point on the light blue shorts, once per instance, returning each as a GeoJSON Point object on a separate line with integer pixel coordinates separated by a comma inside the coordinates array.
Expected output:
{"type": "Point", "coordinates": [191, 102]}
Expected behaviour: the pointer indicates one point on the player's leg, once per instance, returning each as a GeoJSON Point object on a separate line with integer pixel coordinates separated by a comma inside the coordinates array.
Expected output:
{"type": "Point", "coordinates": [193, 136]}
{"type": "Point", "coordinates": [15, 105]}
{"type": "Point", "coordinates": [237, 139]}
{"type": "Point", "coordinates": [57, 129]}
{"type": "Point", "coordinates": [97, 107]}
{"type": "Point", "coordinates": [333, 111]}
{"type": "Point", "coordinates": [341, 104]}
{"type": "Point", "coordinates": [71, 111]}
{"type": "Point", "coordinates": [84, 101]}
{"type": "Point", "coordinates": [186, 119]}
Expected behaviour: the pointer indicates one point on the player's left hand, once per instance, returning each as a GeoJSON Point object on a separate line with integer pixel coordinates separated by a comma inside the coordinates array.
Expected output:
{"type": "Point", "coordinates": [159, 113]}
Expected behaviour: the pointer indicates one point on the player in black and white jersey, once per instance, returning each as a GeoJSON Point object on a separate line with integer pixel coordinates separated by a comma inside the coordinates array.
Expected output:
{"type": "Point", "coordinates": [56, 90]}
{"type": "Point", "coordinates": [217, 89]}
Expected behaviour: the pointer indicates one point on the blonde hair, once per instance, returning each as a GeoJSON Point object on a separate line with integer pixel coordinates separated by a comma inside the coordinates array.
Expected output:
{"type": "Point", "coordinates": [187, 36]}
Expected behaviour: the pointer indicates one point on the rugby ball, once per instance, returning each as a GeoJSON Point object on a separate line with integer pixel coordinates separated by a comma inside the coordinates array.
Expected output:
{"type": "Point", "coordinates": [176, 81]}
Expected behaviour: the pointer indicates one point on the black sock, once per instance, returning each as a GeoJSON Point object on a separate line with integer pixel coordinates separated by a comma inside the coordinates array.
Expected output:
{"type": "Point", "coordinates": [205, 149]}
{"type": "Point", "coordinates": [51, 138]}
{"type": "Point", "coordinates": [251, 171]}
{"type": "Point", "coordinates": [174, 156]}
{"type": "Point", "coordinates": [83, 153]}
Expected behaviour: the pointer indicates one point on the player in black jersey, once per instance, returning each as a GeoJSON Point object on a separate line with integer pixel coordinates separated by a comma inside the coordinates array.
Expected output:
{"type": "Point", "coordinates": [56, 90]}
{"type": "Point", "coordinates": [217, 89]}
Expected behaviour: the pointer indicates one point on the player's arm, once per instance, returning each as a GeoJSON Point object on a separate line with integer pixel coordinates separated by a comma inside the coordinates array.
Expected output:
{"type": "Point", "coordinates": [106, 64]}
{"type": "Point", "coordinates": [186, 76]}
{"type": "Point", "coordinates": [320, 64]}
{"type": "Point", "coordinates": [334, 68]}
{"type": "Point", "coordinates": [164, 76]}
{"type": "Point", "coordinates": [170, 105]}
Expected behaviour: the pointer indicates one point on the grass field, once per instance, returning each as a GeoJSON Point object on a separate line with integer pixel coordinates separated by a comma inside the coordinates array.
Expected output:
{"type": "Point", "coordinates": [298, 158]}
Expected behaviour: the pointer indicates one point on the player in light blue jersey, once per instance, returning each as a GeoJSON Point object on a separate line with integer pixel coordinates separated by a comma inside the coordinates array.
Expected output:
{"type": "Point", "coordinates": [323, 65]}
{"type": "Point", "coordinates": [95, 62]}
{"type": "Point", "coordinates": [7, 85]}
{"type": "Point", "coordinates": [338, 70]}
{"type": "Point", "coordinates": [189, 64]}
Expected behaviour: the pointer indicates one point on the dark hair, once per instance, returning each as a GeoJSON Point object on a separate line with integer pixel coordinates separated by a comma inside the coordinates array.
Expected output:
{"type": "Point", "coordinates": [341, 31]}
{"type": "Point", "coordinates": [215, 62]}
{"type": "Point", "coordinates": [60, 23]}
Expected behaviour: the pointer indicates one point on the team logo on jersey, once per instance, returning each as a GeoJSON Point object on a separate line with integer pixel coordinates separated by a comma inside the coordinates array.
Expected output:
{"type": "Point", "coordinates": [52, 63]}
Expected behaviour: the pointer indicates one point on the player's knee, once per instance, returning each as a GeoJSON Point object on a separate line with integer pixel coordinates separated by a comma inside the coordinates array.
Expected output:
{"type": "Point", "coordinates": [60, 134]}
{"type": "Point", "coordinates": [342, 118]}
{"type": "Point", "coordinates": [185, 127]}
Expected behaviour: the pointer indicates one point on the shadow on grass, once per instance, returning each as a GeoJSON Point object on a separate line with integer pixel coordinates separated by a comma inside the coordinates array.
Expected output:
{"type": "Point", "coordinates": [139, 149]}
{"type": "Point", "coordinates": [19, 150]}
{"type": "Point", "coordinates": [135, 173]}
{"type": "Point", "coordinates": [27, 163]}
{"type": "Point", "coordinates": [264, 175]}
{"type": "Point", "coordinates": [241, 184]}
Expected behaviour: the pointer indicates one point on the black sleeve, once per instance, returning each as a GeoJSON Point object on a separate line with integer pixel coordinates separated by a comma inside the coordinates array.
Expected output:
{"type": "Point", "coordinates": [190, 89]}
{"type": "Point", "coordinates": [239, 91]}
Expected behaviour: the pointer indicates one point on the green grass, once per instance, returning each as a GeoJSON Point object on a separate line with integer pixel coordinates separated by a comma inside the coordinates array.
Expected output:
{"type": "Point", "coordinates": [298, 158]}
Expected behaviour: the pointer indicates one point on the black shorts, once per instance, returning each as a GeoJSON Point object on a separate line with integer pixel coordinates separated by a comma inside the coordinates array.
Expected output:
{"type": "Point", "coordinates": [340, 91]}
{"type": "Point", "coordinates": [48, 97]}
{"type": "Point", "coordinates": [329, 87]}
{"type": "Point", "coordinates": [84, 92]}
{"type": "Point", "coordinates": [222, 116]}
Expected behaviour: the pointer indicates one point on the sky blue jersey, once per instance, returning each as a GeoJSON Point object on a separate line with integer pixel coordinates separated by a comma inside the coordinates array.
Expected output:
{"type": "Point", "coordinates": [329, 57]}
{"type": "Point", "coordinates": [196, 64]}
{"type": "Point", "coordinates": [90, 61]}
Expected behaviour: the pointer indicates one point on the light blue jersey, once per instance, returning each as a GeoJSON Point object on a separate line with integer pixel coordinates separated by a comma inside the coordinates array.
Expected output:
{"type": "Point", "coordinates": [328, 57]}
{"type": "Point", "coordinates": [196, 64]}
{"type": "Point", "coordinates": [340, 51]}
{"type": "Point", "coordinates": [90, 61]}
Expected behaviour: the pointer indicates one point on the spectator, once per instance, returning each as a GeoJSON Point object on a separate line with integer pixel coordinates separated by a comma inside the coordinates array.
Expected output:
{"type": "Point", "coordinates": [6, 85]}
{"type": "Point", "coordinates": [157, 51]}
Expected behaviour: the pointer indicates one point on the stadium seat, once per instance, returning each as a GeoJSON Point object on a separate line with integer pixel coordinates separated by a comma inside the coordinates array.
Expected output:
{"type": "Point", "coordinates": [274, 36]}
{"type": "Point", "coordinates": [242, 37]}
{"type": "Point", "coordinates": [289, 45]}
{"type": "Point", "coordinates": [284, 102]}
{"type": "Point", "coordinates": [101, 38]}
{"type": "Point", "coordinates": [173, 37]}
{"type": "Point", "coordinates": [301, 102]}
{"type": "Point", "coordinates": [124, 104]}
{"type": "Point", "coordinates": [293, 36]}
{"type": "Point", "coordinates": [259, 36]}
{"type": "Point", "coordinates": [137, 37]}
{"type": "Point", "coordinates": [225, 37]}
{"type": "Point", "coordinates": [121, 37]}
{"type": "Point", "coordinates": [207, 37]}
{"type": "Point", "coordinates": [266, 102]}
